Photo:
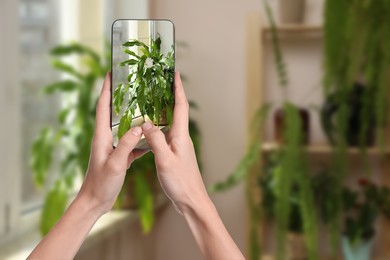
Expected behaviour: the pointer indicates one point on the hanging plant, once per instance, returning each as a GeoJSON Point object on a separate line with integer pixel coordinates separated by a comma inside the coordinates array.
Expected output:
{"type": "Point", "coordinates": [357, 36]}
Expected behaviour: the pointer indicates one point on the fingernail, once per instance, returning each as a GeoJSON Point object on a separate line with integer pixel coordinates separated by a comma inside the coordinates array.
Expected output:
{"type": "Point", "coordinates": [146, 126]}
{"type": "Point", "coordinates": [136, 130]}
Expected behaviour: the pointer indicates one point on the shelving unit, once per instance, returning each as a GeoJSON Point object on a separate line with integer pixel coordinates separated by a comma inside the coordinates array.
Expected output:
{"type": "Point", "coordinates": [257, 33]}
{"type": "Point", "coordinates": [292, 28]}
{"type": "Point", "coordinates": [326, 149]}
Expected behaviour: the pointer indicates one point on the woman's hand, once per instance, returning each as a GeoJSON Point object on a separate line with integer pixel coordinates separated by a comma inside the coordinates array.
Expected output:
{"type": "Point", "coordinates": [107, 166]}
{"type": "Point", "coordinates": [179, 176]}
{"type": "Point", "coordinates": [175, 158]}
{"type": "Point", "coordinates": [104, 179]}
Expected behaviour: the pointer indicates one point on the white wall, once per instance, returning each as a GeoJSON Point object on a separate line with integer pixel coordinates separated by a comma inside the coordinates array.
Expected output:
{"type": "Point", "coordinates": [214, 64]}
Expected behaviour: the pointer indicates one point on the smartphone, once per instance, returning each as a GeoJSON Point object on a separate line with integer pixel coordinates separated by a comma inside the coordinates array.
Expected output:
{"type": "Point", "coordinates": [142, 75]}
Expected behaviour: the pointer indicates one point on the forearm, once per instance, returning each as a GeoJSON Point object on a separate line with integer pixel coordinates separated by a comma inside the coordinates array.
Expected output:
{"type": "Point", "coordinates": [64, 240]}
{"type": "Point", "coordinates": [209, 231]}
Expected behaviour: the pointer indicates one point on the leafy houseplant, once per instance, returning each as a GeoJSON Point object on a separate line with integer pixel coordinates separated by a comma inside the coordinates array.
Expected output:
{"type": "Point", "coordinates": [149, 85]}
{"type": "Point", "coordinates": [355, 101]}
{"type": "Point", "coordinates": [362, 208]}
{"type": "Point", "coordinates": [72, 134]}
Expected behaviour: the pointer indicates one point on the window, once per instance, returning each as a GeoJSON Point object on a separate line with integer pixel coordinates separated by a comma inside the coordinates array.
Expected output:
{"type": "Point", "coordinates": [38, 34]}
{"type": "Point", "coordinates": [31, 29]}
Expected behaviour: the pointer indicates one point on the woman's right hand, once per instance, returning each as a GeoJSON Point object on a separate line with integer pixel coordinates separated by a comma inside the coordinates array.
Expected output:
{"type": "Point", "coordinates": [176, 163]}
{"type": "Point", "coordinates": [180, 178]}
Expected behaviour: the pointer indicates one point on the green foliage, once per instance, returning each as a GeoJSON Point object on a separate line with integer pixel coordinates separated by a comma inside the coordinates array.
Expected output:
{"type": "Point", "coordinates": [293, 169]}
{"type": "Point", "coordinates": [71, 137]}
{"type": "Point", "coordinates": [144, 197]}
{"type": "Point", "coordinates": [278, 57]}
{"type": "Point", "coordinates": [41, 156]}
{"type": "Point", "coordinates": [362, 207]}
{"type": "Point", "coordinates": [356, 47]}
{"type": "Point", "coordinates": [149, 86]}
{"type": "Point", "coordinates": [250, 158]}
{"type": "Point", "coordinates": [54, 206]}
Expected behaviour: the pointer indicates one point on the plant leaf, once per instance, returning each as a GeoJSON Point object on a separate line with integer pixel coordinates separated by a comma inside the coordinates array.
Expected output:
{"type": "Point", "coordinates": [158, 43]}
{"type": "Point", "coordinates": [63, 114]}
{"type": "Point", "coordinates": [128, 62]}
{"type": "Point", "coordinates": [64, 86]}
{"type": "Point", "coordinates": [124, 125]}
{"type": "Point", "coordinates": [41, 156]}
{"type": "Point", "coordinates": [64, 67]}
{"type": "Point", "coordinates": [135, 43]}
{"type": "Point", "coordinates": [144, 197]}
{"type": "Point", "coordinates": [74, 48]}
{"type": "Point", "coordinates": [53, 208]}
{"type": "Point", "coordinates": [118, 98]}
{"type": "Point", "coordinates": [131, 53]}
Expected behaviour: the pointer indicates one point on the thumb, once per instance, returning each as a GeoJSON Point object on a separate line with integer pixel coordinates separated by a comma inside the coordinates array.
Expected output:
{"type": "Point", "coordinates": [126, 144]}
{"type": "Point", "coordinates": [155, 138]}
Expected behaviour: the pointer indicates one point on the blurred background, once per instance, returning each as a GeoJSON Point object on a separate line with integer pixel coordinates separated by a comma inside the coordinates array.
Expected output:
{"type": "Point", "coordinates": [315, 69]}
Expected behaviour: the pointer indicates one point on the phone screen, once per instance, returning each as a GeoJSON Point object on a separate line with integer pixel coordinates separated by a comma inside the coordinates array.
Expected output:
{"type": "Point", "coordinates": [143, 65]}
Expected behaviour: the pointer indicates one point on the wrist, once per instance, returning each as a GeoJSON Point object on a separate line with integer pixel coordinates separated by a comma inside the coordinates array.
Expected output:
{"type": "Point", "coordinates": [199, 208]}
{"type": "Point", "coordinates": [88, 206]}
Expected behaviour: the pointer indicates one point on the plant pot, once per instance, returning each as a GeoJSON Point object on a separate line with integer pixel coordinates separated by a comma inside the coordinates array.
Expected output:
{"type": "Point", "coordinates": [296, 248]}
{"type": "Point", "coordinates": [358, 251]}
{"type": "Point", "coordinates": [291, 11]}
{"type": "Point", "coordinates": [279, 124]}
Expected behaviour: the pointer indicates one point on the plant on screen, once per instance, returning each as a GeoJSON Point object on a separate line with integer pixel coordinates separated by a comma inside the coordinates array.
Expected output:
{"type": "Point", "coordinates": [149, 85]}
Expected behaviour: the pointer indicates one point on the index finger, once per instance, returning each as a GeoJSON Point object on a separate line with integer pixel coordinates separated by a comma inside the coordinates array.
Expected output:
{"type": "Point", "coordinates": [181, 110]}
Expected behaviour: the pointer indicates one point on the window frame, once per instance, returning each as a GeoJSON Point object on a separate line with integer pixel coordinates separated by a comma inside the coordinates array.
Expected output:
{"type": "Point", "coordinates": [10, 107]}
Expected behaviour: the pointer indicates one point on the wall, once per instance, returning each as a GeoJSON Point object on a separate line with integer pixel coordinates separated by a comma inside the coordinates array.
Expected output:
{"type": "Point", "coordinates": [214, 63]}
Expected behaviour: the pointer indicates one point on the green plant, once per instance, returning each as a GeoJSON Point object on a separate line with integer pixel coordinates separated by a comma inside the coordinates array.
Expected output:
{"type": "Point", "coordinates": [269, 194]}
{"type": "Point", "coordinates": [355, 102]}
{"type": "Point", "coordinates": [70, 139]}
{"type": "Point", "coordinates": [362, 208]}
{"type": "Point", "coordinates": [149, 84]}
{"type": "Point", "coordinates": [356, 39]}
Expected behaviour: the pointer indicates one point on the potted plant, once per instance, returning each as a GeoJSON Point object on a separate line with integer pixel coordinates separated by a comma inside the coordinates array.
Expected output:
{"type": "Point", "coordinates": [149, 85]}
{"type": "Point", "coordinates": [355, 99]}
{"type": "Point", "coordinates": [362, 207]}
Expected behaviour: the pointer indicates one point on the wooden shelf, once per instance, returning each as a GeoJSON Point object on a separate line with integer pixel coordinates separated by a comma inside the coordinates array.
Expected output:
{"type": "Point", "coordinates": [295, 28]}
{"type": "Point", "coordinates": [294, 31]}
{"type": "Point", "coordinates": [324, 149]}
